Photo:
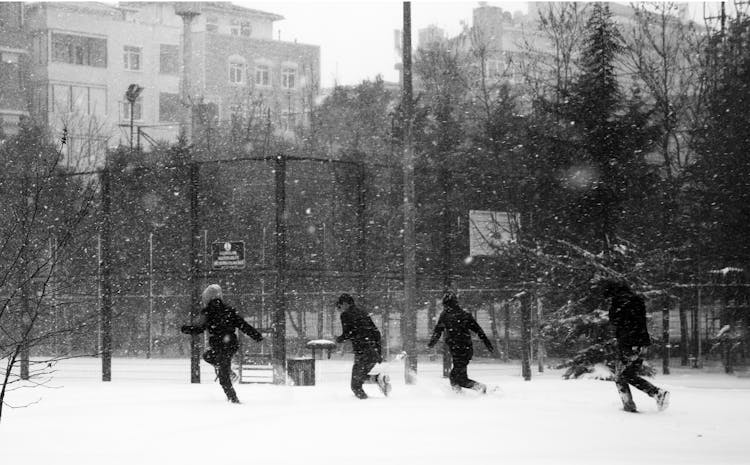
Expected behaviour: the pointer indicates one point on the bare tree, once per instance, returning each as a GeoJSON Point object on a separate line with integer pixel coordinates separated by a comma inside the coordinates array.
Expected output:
{"type": "Point", "coordinates": [663, 53]}
{"type": "Point", "coordinates": [48, 211]}
{"type": "Point", "coordinates": [551, 51]}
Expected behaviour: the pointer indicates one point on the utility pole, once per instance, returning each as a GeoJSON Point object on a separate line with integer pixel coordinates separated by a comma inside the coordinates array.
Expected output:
{"type": "Point", "coordinates": [188, 11]}
{"type": "Point", "coordinates": [410, 265]}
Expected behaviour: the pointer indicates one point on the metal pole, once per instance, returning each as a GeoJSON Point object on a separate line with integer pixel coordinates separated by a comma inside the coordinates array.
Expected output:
{"type": "Point", "coordinates": [132, 103]}
{"type": "Point", "coordinates": [684, 339]}
{"type": "Point", "coordinates": [697, 333]}
{"type": "Point", "coordinates": [539, 340]}
{"type": "Point", "coordinates": [665, 337]}
{"type": "Point", "coordinates": [150, 291]}
{"type": "Point", "coordinates": [278, 350]}
{"type": "Point", "coordinates": [506, 330]}
{"type": "Point", "coordinates": [361, 207]}
{"type": "Point", "coordinates": [195, 292]}
{"type": "Point", "coordinates": [410, 269]}
{"type": "Point", "coordinates": [106, 280]}
{"type": "Point", "coordinates": [526, 337]}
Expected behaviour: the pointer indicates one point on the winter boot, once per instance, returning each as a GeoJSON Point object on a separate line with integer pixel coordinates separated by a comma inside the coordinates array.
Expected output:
{"type": "Point", "coordinates": [662, 400]}
{"type": "Point", "coordinates": [480, 388]}
{"type": "Point", "coordinates": [384, 383]}
{"type": "Point", "coordinates": [630, 407]}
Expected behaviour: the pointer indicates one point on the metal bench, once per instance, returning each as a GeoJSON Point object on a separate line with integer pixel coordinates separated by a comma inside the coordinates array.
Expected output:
{"type": "Point", "coordinates": [256, 368]}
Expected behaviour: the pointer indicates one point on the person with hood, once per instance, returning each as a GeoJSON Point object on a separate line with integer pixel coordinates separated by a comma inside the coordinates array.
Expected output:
{"type": "Point", "coordinates": [357, 326]}
{"type": "Point", "coordinates": [458, 326]}
{"type": "Point", "coordinates": [627, 315]}
{"type": "Point", "coordinates": [221, 322]}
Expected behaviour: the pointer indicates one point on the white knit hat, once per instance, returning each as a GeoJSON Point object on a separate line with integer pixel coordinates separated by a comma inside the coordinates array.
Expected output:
{"type": "Point", "coordinates": [212, 292]}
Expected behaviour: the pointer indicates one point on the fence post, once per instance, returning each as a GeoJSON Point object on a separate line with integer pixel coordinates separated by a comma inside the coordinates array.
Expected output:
{"type": "Point", "coordinates": [526, 337]}
{"type": "Point", "coordinates": [106, 279]}
{"type": "Point", "coordinates": [665, 336]}
{"type": "Point", "coordinates": [697, 331]}
{"type": "Point", "coordinates": [362, 239]}
{"type": "Point", "coordinates": [278, 349]}
{"type": "Point", "coordinates": [684, 340]}
{"type": "Point", "coordinates": [540, 341]}
{"type": "Point", "coordinates": [195, 291]}
{"type": "Point", "coordinates": [506, 335]}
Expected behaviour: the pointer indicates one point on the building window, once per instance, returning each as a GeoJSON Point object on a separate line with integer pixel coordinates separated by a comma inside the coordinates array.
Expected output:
{"type": "Point", "coordinates": [494, 68]}
{"type": "Point", "coordinates": [79, 50]}
{"type": "Point", "coordinates": [61, 98]}
{"type": "Point", "coordinates": [79, 99]}
{"type": "Point", "coordinates": [168, 59]}
{"type": "Point", "coordinates": [234, 27]}
{"type": "Point", "coordinates": [212, 24]}
{"type": "Point", "coordinates": [131, 58]}
{"type": "Point", "coordinates": [9, 57]}
{"type": "Point", "coordinates": [245, 28]}
{"type": "Point", "coordinates": [288, 120]}
{"type": "Point", "coordinates": [169, 107]}
{"type": "Point", "coordinates": [262, 73]}
{"type": "Point", "coordinates": [236, 72]}
{"type": "Point", "coordinates": [288, 77]}
{"type": "Point", "coordinates": [137, 109]}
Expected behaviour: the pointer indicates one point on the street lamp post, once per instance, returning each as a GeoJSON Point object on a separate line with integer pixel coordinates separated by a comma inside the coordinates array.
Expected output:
{"type": "Point", "coordinates": [132, 94]}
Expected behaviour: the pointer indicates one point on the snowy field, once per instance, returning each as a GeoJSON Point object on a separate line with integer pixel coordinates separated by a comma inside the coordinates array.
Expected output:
{"type": "Point", "coordinates": [151, 414]}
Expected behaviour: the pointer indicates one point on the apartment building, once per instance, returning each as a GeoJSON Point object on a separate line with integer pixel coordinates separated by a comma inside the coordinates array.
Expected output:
{"type": "Point", "coordinates": [13, 67]}
{"type": "Point", "coordinates": [83, 56]}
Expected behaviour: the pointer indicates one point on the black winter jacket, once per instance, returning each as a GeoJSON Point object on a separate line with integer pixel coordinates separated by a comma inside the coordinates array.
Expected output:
{"type": "Point", "coordinates": [458, 326]}
{"type": "Point", "coordinates": [221, 321]}
{"type": "Point", "coordinates": [628, 316]}
{"type": "Point", "coordinates": [358, 327]}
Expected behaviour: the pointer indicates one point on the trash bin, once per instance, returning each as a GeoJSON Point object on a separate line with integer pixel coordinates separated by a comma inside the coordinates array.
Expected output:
{"type": "Point", "coordinates": [321, 344]}
{"type": "Point", "coordinates": [301, 371]}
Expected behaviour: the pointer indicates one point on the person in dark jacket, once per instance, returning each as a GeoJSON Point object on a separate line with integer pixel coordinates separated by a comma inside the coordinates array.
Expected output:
{"type": "Point", "coordinates": [627, 315]}
{"type": "Point", "coordinates": [221, 322]}
{"type": "Point", "coordinates": [357, 326]}
{"type": "Point", "coordinates": [458, 326]}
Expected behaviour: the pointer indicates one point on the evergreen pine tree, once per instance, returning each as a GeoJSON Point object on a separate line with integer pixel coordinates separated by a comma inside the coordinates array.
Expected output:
{"type": "Point", "coordinates": [607, 138]}
{"type": "Point", "coordinates": [720, 178]}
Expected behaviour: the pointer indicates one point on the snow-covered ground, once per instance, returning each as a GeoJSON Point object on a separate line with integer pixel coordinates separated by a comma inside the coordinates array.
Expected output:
{"type": "Point", "coordinates": [151, 414]}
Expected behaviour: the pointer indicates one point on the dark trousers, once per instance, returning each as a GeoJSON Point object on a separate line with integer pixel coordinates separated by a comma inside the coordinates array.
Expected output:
{"type": "Point", "coordinates": [362, 366]}
{"type": "Point", "coordinates": [222, 362]}
{"type": "Point", "coordinates": [458, 376]}
{"type": "Point", "coordinates": [626, 373]}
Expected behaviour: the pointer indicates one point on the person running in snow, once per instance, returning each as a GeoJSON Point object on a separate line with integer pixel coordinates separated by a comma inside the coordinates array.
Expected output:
{"type": "Point", "coordinates": [221, 322]}
{"type": "Point", "coordinates": [357, 326]}
{"type": "Point", "coordinates": [458, 326]}
{"type": "Point", "coordinates": [627, 314]}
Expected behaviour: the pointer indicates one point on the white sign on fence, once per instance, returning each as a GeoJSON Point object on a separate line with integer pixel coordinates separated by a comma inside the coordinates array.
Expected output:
{"type": "Point", "coordinates": [228, 255]}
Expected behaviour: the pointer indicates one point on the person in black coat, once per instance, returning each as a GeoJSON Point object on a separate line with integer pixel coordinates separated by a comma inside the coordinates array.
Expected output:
{"type": "Point", "coordinates": [627, 315]}
{"type": "Point", "coordinates": [357, 326]}
{"type": "Point", "coordinates": [458, 326]}
{"type": "Point", "coordinates": [221, 322]}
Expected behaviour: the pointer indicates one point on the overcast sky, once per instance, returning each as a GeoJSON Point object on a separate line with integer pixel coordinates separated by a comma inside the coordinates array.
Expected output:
{"type": "Point", "coordinates": [356, 37]}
